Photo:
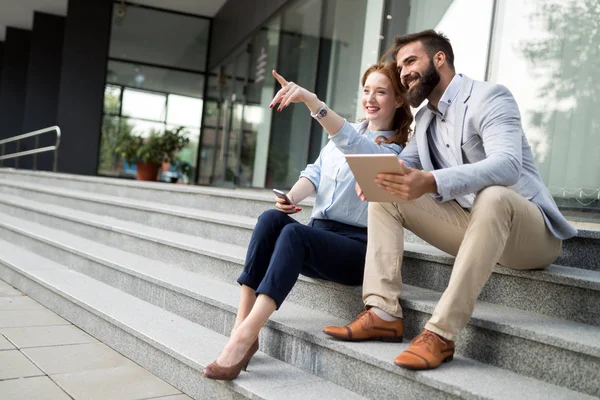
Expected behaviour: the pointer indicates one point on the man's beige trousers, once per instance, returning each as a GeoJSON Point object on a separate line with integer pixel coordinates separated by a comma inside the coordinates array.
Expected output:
{"type": "Point", "coordinates": [502, 227]}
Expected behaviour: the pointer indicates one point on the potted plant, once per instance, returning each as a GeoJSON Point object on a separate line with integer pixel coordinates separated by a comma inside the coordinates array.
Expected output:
{"type": "Point", "coordinates": [149, 153]}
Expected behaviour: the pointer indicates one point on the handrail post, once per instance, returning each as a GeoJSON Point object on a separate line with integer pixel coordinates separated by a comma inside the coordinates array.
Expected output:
{"type": "Point", "coordinates": [55, 162]}
{"type": "Point", "coordinates": [36, 146]}
{"type": "Point", "coordinates": [18, 150]}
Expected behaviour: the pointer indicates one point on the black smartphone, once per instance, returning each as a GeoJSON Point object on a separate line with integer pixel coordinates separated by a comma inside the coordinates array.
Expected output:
{"type": "Point", "coordinates": [282, 195]}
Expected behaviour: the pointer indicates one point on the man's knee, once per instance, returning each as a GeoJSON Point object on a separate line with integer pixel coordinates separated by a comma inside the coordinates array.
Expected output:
{"type": "Point", "coordinates": [494, 197]}
{"type": "Point", "coordinates": [383, 208]}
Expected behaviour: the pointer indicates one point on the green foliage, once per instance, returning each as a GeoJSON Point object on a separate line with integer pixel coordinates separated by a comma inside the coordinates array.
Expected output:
{"type": "Point", "coordinates": [158, 147]}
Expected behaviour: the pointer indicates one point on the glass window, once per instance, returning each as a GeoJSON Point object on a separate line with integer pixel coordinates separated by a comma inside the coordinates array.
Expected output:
{"type": "Point", "coordinates": [143, 128]}
{"type": "Point", "coordinates": [469, 40]}
{"type": "Point", "coordinates": [546, 53]}
{"type": "Point", "coordinates": [346, 47]}
{"type": "Point", "coordinates": [299, 49]}
{"type": "Point", "coordinates": [145, 105]}
{"type": "Point", "coordinates": [112, 99]}
{"type": "Point", "coordinates": [257, 114]}
{"type": "Point", "coordinates": [160, 38]}
{"type": "Point", "coordinates": [152, 83]}
{"type": "Point", "coordinates": [184, 111]}
{"type": "Point", "coordinates": [155, 79]}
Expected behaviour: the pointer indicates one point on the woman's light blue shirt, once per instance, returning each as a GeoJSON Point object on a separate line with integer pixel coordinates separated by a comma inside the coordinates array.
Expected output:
{"type": "Point", "coordinates": [336, 197]}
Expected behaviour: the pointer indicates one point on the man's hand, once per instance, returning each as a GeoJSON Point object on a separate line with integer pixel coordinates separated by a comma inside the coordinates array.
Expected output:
{"type": "Point", "coordinates": [410, 186]}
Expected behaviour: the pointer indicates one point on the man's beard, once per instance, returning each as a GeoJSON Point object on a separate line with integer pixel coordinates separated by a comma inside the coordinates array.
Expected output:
{"type": "Point", "coordinates": [424, 86]}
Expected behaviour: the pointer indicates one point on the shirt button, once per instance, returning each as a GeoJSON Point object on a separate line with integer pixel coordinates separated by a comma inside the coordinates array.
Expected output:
{"type": "Point", "coordinates": [443, 120]}
{"type": "Point", "coordinates": [447, 145]}
{"type": "Point", "coordinates": [449, 101]}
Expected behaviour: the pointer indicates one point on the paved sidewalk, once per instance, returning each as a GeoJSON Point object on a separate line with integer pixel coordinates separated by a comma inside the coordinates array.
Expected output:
{"type": "Point", "coordinates": [44, 357]}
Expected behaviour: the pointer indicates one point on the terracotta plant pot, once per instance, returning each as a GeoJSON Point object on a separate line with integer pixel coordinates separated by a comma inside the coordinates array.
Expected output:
{"type": "Point", "coordinates": [147, 171]}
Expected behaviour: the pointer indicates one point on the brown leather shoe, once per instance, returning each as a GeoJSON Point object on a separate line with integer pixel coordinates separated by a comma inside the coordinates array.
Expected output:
{"type": "Point", "coordinates": [368, 326]}
{"type": "Point", "coordinates": [427, 351]}
{"type": "Point", "coordinates": [217, 372]}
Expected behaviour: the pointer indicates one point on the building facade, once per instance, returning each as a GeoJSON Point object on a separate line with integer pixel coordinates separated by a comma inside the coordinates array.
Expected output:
{"type": "Point", "coordinates": [164, 69]}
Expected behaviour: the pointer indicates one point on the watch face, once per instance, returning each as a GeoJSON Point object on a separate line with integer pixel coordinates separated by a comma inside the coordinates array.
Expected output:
{"type": "Point", "coordinates": [322, 113]}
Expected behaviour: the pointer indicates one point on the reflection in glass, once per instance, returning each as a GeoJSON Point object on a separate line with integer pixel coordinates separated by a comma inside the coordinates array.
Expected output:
{"type": "Point", "coordinates": [226, 85]}
{"type": "Point", "coordinates": [158, 37]}
{"type": "Point", "coordinates": [288, 150]}
{"type": "Point", "coordinates": [155, 79]}
{"type": "Point", "coordinates": [210, 114]}
{"type": "Point", "coordinates": [546, 53]}
{"type": "Point", "coordinates": [470, 42]}
{"type": "Point", "coordinates": [257, 114]}
{"type": "Point", "coordinates": [207, 154]}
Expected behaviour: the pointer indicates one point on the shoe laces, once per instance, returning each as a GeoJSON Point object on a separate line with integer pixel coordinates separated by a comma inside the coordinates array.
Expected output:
{"type": "Point", "coordinates": [428, 338]}
{"type": "Point", "coordinates": [364, 319]}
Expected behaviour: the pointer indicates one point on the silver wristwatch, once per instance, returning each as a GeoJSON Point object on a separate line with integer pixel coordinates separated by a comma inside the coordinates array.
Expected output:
{"type": "Point", "coordinates": [321, 112]}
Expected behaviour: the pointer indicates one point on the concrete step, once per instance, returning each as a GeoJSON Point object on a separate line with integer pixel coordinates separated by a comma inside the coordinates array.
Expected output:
{"type": "Point", "coordinates": [581, 252]}
{"type": "Point", "coordinates": [244, 202]}
{"type": "Point", "coordinates": [293, 334]}
{"type": "Point", "coordinates": [224, 227]}
{"type": "Point", "coordinates": [524, 342]}
{"type": "Point", "coordinates": [172, 347]}
{"type": "Point", "coordinates": [559, 291]}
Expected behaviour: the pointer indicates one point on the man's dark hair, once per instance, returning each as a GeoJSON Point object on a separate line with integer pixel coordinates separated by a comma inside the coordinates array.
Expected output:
{"type": "Point", "coordinates": [432, 41]}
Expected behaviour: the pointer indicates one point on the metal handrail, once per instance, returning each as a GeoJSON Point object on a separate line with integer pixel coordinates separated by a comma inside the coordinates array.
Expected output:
{"type": "Point", "coordinates": [35, 151]}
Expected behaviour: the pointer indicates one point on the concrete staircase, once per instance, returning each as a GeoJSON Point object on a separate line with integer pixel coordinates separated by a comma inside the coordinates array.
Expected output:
{"type": "Point", "coordinates": [150, 270]}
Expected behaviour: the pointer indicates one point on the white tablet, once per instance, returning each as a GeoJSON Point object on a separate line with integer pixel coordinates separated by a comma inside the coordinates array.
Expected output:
{"type": "Point", "coordinates": [365, 168]}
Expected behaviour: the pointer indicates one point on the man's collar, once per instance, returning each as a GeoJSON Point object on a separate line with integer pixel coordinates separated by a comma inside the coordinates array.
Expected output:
{"type": "Point", "coordinates": [449, 96]}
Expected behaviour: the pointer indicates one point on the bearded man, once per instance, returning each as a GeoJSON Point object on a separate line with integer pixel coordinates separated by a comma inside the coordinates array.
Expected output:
{"type": "Point", "coordinates": [472, 190]}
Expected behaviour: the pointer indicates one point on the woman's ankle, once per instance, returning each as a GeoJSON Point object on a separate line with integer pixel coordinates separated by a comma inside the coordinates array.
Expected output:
{"type": "Point", "coordinates": [243, 335]}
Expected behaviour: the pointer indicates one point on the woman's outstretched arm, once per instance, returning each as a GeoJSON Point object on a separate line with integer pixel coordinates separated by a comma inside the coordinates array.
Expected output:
{"type": "Point", "coordinates": [344, 136]}
{"type": "Point", "coordinates": [293, 93]}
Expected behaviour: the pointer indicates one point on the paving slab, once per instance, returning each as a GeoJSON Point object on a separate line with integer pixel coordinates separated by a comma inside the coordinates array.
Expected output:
{"type": "Point", "coordinates": [11, 303]}
{"type": "Point", "coordinates": [176, 397]}
{"type": "Point", "coordinates": [37, 336]}
{"type": "Point", "coordinates": [13, 364]}
{"type": "Point", "coordinates": [38, 388]}
{"type": "Point", "coordinates": [121, 383]}
{"type": "Point", "coordinates": [9, 291]}
{"type": "Point", "coordinates": [22, 318]}
{"type": "Point", "coordinates": [5, 344]}
{"type": "Point", "coordinates": [75, 358]}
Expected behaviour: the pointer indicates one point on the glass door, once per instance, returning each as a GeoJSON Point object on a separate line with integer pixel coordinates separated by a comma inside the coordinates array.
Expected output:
{"type": "Point", "coordinates": [235, 135]}
{"type": "Point", "coordinates": [232, 80]}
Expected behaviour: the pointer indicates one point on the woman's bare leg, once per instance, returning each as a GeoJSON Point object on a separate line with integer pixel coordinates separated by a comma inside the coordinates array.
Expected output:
{"type": "Point", "coordinates": [247, 331]}
{"type": "Point", "coordinates": [247, 300]}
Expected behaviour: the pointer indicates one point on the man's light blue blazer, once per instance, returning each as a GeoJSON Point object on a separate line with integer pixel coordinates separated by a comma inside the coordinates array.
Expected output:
{"type": "Point", "coordinates": [495, 151]}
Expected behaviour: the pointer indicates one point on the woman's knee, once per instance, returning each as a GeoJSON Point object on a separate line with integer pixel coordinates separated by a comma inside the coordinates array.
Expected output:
{"type": "Point", "coordinates": [273, 219]}
{"type": "Point", "coordinates": [293, 232]}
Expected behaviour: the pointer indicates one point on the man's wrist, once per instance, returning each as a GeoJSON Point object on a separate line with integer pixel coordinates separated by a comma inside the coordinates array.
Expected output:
{"type": "Point", "coordinates": [431, 183]}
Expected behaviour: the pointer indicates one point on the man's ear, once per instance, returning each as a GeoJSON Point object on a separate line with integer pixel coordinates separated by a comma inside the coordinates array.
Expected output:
{"type": "Point", "coordinates": [439, 59]}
